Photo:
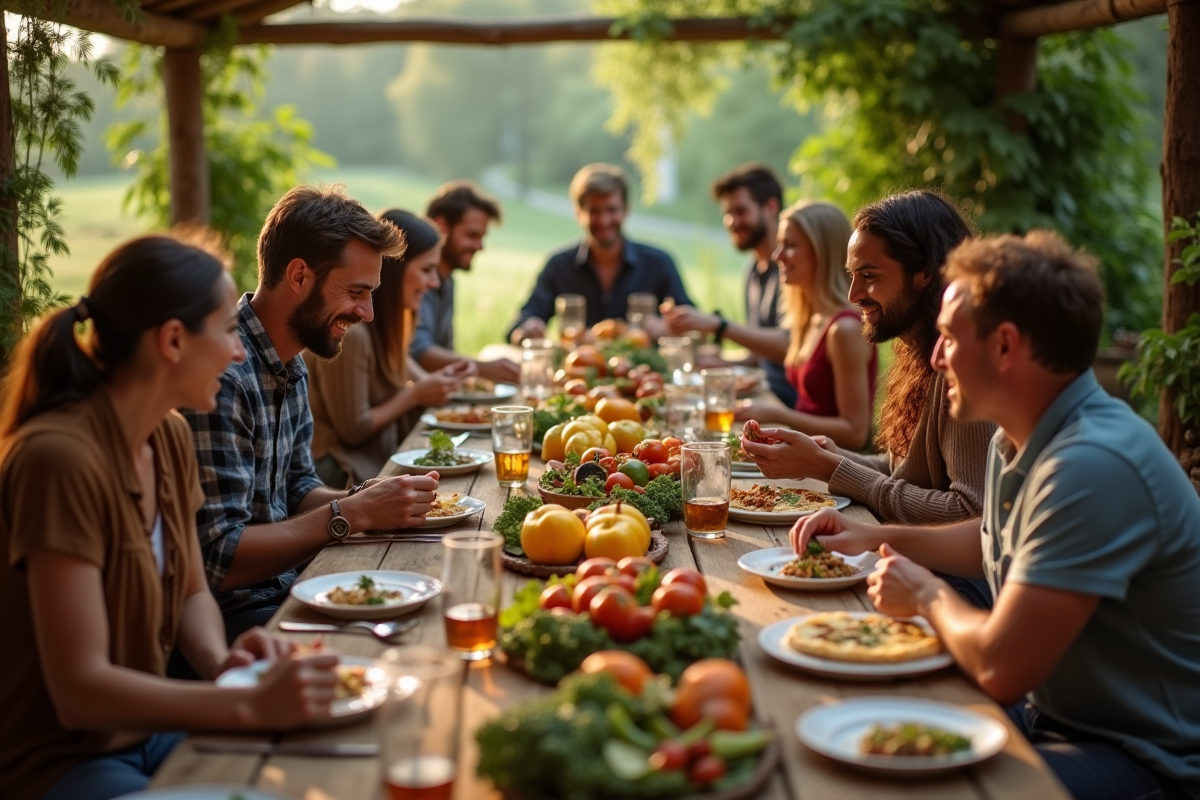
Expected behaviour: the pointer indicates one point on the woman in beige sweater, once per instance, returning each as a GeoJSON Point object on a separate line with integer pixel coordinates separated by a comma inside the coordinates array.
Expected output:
{"type": "Point", "coordinates": [360, 399]}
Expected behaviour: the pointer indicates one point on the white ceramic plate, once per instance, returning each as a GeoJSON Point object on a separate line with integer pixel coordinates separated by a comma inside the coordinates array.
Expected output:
{"type": "Point", "coordinates": [767, 563]}
{"type": "Point", "coordinates": [341, 710]}
{"type": "Point", "coordinates": [223, 792]}
{"type": "Point", "coordinates": [779, 518]}
{"type": "Point", "coordinates": [746, 470]}
{"type": "Point", "coordinates": [429, 419]}
{"type": "Point", "coordinates": [470, 507]}
{"type": "Point", "coordinates": [773, 640]}
{"type": "Point", "coordinates": [835, 731]}
{"type": "Point", "coordinates": [404, 460]}
{"type": "Point", "coordinates": [502, 391]}
{"type": "Point", "coordinates": [416, 590]}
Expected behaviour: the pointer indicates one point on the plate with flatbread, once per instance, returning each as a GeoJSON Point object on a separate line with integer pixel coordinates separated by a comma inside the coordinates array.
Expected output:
{"type": "Point", "coordinates": [856, 645]}
{"type": "Point", "coordinates": [459, 418]}
{"type": "Point", "coordinates": [768, 504]}
{"type": "Point", "coordinates": [450, 509]}
{"type": "Point", "coordinates": [815, 572]}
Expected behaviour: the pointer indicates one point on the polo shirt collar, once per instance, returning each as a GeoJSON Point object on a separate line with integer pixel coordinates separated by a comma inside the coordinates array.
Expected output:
{"type": "Point", "coordinates": [630, 257]}
{"type": "Point", "coordinates": [1051, 422]}
{"type": "Point", "coordinates": [293, 370]}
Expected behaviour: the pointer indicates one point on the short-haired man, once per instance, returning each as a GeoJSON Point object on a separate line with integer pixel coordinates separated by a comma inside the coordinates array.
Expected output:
{"type": "Point", "coordinates": [605, 267]}
{"type": "Point", "coordinates": [1090, 537]}
{"type": "Point", "coordinates": [751, 198]}
{"type": "Point", "coordinates": [931, 467]}
{"type": "Point", "coordinates": [267, 512]}
{"type": "Point", "coordinates": [462, 213]}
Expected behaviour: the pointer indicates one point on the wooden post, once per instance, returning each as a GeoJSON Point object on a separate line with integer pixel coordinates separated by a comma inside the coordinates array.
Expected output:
{"type": "Point", "coordinates": [10, 312]}
{"type": "Point", "coordinates": [1181, 194]}
{"type": "Point", "coordinates": [1016, 73]}
{"type": "Point", "coordinates": [185, 129]}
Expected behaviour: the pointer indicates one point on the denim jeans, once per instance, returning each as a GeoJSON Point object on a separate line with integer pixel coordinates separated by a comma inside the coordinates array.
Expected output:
{"type": "Point", "coordinates": [115, 774]}
{"type": "Point", "coordinates": [1090, 767]}
{"type": "Point", "coordinates": [975, 591]}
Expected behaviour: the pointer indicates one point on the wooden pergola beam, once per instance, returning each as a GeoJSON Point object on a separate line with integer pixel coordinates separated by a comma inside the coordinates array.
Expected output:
{"type": "Point", "coordinates": [183, 83]}
{"type": "Point", "coordinates": [101, 16]}
{"type": "Point", "coordinates": [1077, 16]}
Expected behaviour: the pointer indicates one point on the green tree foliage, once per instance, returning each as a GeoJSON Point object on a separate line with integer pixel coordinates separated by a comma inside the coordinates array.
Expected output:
{"type": "Point", "coordinates": [252, 159]}
{"type": "Point", "coordinates": [47, 110]}
{"type": "Point", "coordinates": [908, 101]}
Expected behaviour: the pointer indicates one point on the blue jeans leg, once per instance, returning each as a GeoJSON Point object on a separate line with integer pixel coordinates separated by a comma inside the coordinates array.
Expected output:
{"type": "Point", "coordinates": [1091, 768]}
{"type": "Point", "coordinates": [116, 774]}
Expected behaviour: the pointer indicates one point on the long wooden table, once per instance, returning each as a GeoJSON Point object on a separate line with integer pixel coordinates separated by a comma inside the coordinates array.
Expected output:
{"type": "Point", "coordinates": [781, 694]}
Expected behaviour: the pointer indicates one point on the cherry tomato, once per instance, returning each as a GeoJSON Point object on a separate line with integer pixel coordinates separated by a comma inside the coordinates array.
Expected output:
{"type": "Point", "coordinates": [615, 610]}
{"type": "Point", "coordinates": [618, 479]}
{"type": "Point", "coordinates": [616, 576]}
{"type": "Point", "coordinates": [657, 470]}
{"type": "Point", "coordinates": [686, 575]}
{"type": "Point", "coordinates": [576, 386]}
{"type": "Point", "coordinates": [635, 565]}
{"type": "Point", "coordinates": [555, 596]}
{"type": "Point", "coordinates": [643, 621]}
{"type": "Point", "coordinates": [707, 769]}
{"type": "Point", "coordinates": [594, 566]}
{"type": "Point", "coordinates": [651, 451]}
{"type": "Point", "coordinates": [594, 454]}
{"type": "Point", "coordinates": [680, 599]}
{"type": "Point", "coordinates": [585, 590]}
{"type": "Point", "coordinates": [699, 749]}
{"type": "Point", "coordinates": [669, 755]}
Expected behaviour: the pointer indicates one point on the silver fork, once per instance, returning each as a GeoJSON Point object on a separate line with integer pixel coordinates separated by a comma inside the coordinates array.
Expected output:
{"type": "Point", "coordinates": [380, 630]}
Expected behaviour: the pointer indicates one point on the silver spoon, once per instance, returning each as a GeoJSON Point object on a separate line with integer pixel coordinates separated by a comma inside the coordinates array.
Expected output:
{"type": "Point", "coordinates": [380, 630]}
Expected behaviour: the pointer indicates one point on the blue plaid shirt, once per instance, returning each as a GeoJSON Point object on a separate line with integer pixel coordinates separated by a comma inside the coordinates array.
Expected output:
{"type": "Point", "coordinates": [255, 457]}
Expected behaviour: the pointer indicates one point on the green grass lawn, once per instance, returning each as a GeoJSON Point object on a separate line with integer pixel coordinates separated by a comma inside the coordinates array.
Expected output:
{"type": "Point", "coordinates": [488, 298]}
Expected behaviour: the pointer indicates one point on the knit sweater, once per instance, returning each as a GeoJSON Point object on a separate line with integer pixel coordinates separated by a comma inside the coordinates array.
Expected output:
{"type": "Point", "coordinates": [941, 479]}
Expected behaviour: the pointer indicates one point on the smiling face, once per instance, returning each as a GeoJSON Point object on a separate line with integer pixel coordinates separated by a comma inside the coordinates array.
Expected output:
{"type": "Point", "coordinates": [209, 352]}
{"type": "Point", "coordinates": [465, 239]}
{"type": "Point", "coordinates": [964, 357]}
{"type": "Point", "coordinates": [889, 297]}
{"type": "Point", "coordinates": [601, 216]}
{"type": "Point", "coordinates": [748, 223]}
{"type": "Point", "coordinates": [420, 276]}
{"type": "Point", "coordinates": [337, 300]}
{"type": "Point", "coordinates": [796, 256]}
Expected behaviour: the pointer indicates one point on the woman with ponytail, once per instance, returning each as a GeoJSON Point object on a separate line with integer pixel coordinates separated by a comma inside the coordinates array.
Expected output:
{"type": "Point", "coordinates": [103, 576]}
{"type": "Point", "coordinates": [360, 399]}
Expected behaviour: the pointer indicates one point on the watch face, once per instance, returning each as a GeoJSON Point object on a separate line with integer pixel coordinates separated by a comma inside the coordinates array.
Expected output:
{"type": "Point", "coordinates": [339, 528]}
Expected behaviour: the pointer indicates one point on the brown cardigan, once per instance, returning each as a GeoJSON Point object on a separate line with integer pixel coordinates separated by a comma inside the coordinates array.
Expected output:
{"type": "Point", "coordinates": [941, 479]}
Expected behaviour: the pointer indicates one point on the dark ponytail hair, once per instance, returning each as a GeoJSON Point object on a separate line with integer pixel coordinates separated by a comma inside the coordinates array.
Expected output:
{"type": "Point", "coordinates": [139, 286]}
{"type": "Point", "coordinates": [392, 327]}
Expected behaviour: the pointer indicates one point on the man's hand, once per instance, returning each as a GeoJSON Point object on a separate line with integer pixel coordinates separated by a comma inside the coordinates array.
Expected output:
{"type": "Point", "coordinates": [835, 531]}
{"type": "Point", "coordinates": [502, 370]}
{"type": "Point", "coordinates": [900, 587]}
{"type": "Point", "coordinates": [795, 456]}
{"type": "Point", "coordinates": [684, 319]}
{"type": "Point", "coordinates": [400, 502]}
{"type": "Point", "coordinates": [437, 388]}
{"type": "Point", "coordinates": [532, 328]}
{"type": "Point", "coordinates": [762, 412]}
{"type": "Point", "coordinates": [254, 645]}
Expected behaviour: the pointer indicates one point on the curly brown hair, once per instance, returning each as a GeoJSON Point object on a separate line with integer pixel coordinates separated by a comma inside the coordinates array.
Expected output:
{"type": "Point", "coordinates": [918, 229]}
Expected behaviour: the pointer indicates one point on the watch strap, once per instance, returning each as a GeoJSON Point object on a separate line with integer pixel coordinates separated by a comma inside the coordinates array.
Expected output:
{"type": "Point", "coordinates": [339, 526]}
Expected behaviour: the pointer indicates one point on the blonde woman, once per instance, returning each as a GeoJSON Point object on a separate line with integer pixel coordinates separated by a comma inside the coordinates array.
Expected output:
{"type": "Point", "coordinates": [828, 362]}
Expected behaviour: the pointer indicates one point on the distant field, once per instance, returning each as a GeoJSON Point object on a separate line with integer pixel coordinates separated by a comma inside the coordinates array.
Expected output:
{"type": "Point", "coordinates": [488, 298]}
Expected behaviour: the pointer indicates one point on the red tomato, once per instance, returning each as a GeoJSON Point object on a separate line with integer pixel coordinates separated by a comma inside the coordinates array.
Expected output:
{"type": "Point", "coordinates": [593, 567]}
{"type": "Point", "coordinates": [555, 596]}
{"type": "Point", "coordinates": [727, 713]}
{"type": "Point", "coordinates": [657, 470]}
{"type": "Point", "coordinates": [643, 621]}
{"type": "Point", "coordinates": [651, 451]}
{"type": "Point", "coordinates": [635, 565]}
{"type": "Point", "coordinates": [680, 599]}
{"type": "Point", "coordinates": [585, 590]}
{"type": "Point", "coordinates": [669, 755]}
{"type": "Point", "coordinates": [576, 386]}
{"type": "Point", "coordinates": [616, 610]}
{"type": "Point", "coordinates": [699, 750]}
{"type": "Point", "coordinates": [594, 454]}
{"type": "Point", "coordinates": [686, 575]}
{"type": "Point", "coordinates": [672, 444]}
{"type": "Point", "coordinates": [707, 769]}
{"type": "Point", "coordinates": [609, 465]}
{"type": "Point", "coordinates": [618, 479]}
{"type": "Point", "coordinates": [626, 668]}
{"type": "Point", "coordinates": [621, 579]}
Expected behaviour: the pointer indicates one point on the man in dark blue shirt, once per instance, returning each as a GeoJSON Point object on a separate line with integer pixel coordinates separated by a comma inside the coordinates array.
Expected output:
{"type": "Point", "coordinates": [605, 267]}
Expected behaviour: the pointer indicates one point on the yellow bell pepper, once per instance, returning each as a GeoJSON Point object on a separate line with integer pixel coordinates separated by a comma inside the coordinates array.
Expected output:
{"type": "Point", "coordinates": [581, 440]}
{"type": "Point", "coordinates": [552, 444]}
{"type": "Point", "coordinates": [552, 535]}
{"type": "Point", "coordinates": [626, 435]}
{"type": "Point", "coordinates": [586, 422]}
{"type": "Point", "coordinates": [619, 516]}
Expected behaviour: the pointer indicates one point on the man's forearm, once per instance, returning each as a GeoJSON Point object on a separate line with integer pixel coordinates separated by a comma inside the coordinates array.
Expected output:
{"type": "Point", "coordinates": [268, 550]}
{"type": "Point", "coordinates": [953, 549]}
{"type": "Point", "coordinates": [434, 358]}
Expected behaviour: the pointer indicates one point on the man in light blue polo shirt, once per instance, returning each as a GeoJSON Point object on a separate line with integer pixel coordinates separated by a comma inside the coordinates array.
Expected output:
{"type": "Point", "coordinates": [1090, 535]}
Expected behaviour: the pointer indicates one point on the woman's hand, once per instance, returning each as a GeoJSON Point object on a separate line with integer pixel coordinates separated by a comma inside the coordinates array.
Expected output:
{"type": "Point", "coordinates": [684, 319]}
{"type": "Point", "coordinates": [295, 691]}
{"type": "Point", "coordinates": [254, 645]}
{"type": "Point", "coordinates": [437, 388]}
{"type": "Point", "coordinates": [762, 412]}
{"type": "Point", "coordinates": [794, 456]}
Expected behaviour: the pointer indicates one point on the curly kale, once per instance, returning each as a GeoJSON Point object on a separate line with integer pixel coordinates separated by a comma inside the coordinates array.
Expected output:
{"type": "Point", "coordinates": [663, 499]}
{"type": "Point", "coordinates": [508, 524]}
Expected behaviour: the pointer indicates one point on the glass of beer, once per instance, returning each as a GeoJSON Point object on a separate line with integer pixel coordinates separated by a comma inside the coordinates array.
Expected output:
{"type": "Point", "coordinates": [720, 395]}
{"type": "Point", "coordinates": [418, 723]}
{"type": "Point", "coordinates": [537, 369]}
{"type": "Point", "coordinates": [471, 593]}
{"type": "Point", "coordinates": [705, 471]}
{"type": "Point", "coordinates": [571, 310]}
{"type": "Point", "coordinates": [512, 442]}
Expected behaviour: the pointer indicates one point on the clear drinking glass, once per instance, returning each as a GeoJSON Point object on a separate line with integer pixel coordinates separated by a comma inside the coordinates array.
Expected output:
{"type": "Point", "coordinates": [537, 369]}
{"type": "Point", "coordinates": [512, 442]}
{"type": "Point", "coordinates": [571, 310]}
{"type": "Point", "coordinates": [705, 472]}
{"type": "Point", "coordinates": [471, 591]}
{"type": "Point", "coordinates": [720, 395]}
{"type": "Point", "coordinates": [683, 411]}
{"type": "Point", "coordinates": [677, 352]}
{"type": "Point", "coordinates": [418, 723]}
{"type": "Point", "coordinates": [639, 306]}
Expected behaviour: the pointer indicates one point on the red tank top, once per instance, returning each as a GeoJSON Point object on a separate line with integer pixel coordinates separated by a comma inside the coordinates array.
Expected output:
{"type": "Point", "coordinates": [813, 379]}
